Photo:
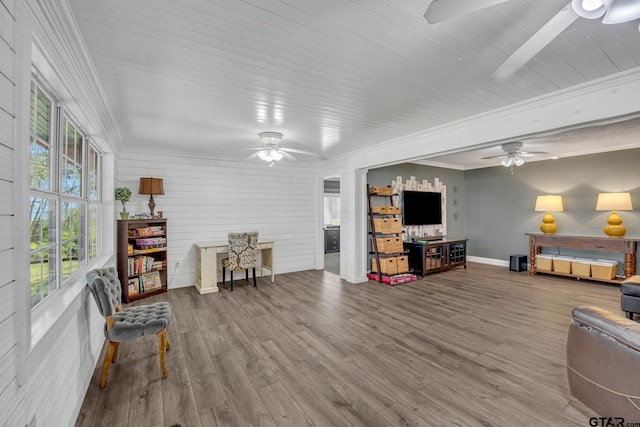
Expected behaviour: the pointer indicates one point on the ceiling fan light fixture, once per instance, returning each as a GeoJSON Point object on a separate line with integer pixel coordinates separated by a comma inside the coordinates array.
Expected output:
{"type": "Point", "coordinates": [511, 160]}
{"type": "Point", "coordinates": [591, 9]}
{"type": "Point", "coordinates": [270, 154]}
{"type": "Point", "coordinates": [591, 5]}
{"type": "Point", "coordinates": [506, 161]}
{"type": "Point", "coordinates": [270, 137]}
{"type": "Point", "coordinates": [622, 11]}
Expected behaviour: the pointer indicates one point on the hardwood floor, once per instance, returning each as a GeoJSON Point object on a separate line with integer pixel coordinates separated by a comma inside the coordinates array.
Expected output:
{"type": "Point", "coordinates": [476, 347]}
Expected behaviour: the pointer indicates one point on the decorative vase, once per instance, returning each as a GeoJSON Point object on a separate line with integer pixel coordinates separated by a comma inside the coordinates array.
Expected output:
{"type": "Point", "coordinates": [124, 215]}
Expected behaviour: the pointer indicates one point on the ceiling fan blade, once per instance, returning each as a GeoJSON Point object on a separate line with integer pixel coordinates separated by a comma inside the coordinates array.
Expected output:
{"type": "Point", "coordinates": [622, 11]}
{"type": "Point", "coordinates": [537, 42]}
{"type": "Point", "coordinates": [293, 150]}
{"type": "Point", "coordinates": [288, 156]}
{"type": "Point", "coordinates": [493, 157]}
{"type": "Point", "coordinates": [253, 156]}
{"type": "Point", "coordinates": [533, 153]}
{"type": "Point", "coordinates": [441, 10]}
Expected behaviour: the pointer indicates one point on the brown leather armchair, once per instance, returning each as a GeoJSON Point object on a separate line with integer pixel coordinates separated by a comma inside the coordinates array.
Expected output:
{"type": "Point", "coordinates": [603, 361]}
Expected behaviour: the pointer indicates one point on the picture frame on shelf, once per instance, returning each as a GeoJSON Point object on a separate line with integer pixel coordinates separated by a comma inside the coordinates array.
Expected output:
{"type": "Point", "coordinates": [150, 281]}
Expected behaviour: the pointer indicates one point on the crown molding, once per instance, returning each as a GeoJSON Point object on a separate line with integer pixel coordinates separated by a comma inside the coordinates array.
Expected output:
{"type": "Point", "coordinates": [64, 57]}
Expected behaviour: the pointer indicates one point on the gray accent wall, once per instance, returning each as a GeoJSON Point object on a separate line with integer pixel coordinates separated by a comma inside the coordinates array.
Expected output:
{"type": "Point", "coordinates": [499, 206]}
{"type": "Point", "coordinates": [453, 179]}
{"type": "Point", "coordinates": [495, 209]}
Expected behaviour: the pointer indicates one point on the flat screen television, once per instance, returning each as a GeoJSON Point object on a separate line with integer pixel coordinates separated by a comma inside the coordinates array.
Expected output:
{"type": "Point", "coordinates": [421, 208]}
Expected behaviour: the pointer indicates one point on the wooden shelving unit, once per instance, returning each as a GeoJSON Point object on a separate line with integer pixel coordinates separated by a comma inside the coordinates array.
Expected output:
{"type": "Point", "coordinates": [388, 255]}
{"type": "Point", "coordinates": [142, 257]}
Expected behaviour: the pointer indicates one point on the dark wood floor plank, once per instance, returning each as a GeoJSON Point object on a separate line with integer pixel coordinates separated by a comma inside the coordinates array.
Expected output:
{"type": "Point", "coordinates": [178, 396]}
{"type": "Point", "coordinates": [372, 393]}
{"type": "Point", "coordinates": [207, 389]}
{"type": "Point", "coordinates": [283, 407]}
{"type": "Point", "coordinates": [482, 346]}
{"type": "Point", "coordinates": [115, 401]}
{"type": "Point", "coordinates": [242, 396]}
{"type": "Point", "coordinates": [146, 404]}
{"type": "Point", "coordinates": [320, 410]}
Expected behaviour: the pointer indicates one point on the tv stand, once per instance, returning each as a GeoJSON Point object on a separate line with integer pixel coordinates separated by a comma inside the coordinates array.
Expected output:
{"type": "Point", "coordinates": [433, 254]}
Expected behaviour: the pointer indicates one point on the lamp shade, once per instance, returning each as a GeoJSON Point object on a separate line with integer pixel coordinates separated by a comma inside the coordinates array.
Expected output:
{"type": "Point", "coordinates": [549, 204]}
{"type": "Point", "coordinates": [151, 186]}
{"type": "Point", "coordinates": [614, 202]}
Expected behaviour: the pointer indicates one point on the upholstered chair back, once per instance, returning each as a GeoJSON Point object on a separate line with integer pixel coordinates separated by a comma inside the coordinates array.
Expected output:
{"type": "Point", "coordinates": [242, 250]}
{"type": "Point", "coordinates": [105, 287]}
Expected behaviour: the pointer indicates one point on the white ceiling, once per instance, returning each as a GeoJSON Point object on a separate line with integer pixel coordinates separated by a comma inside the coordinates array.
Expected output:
{"type": "Point", "coordinates": [333, 76]}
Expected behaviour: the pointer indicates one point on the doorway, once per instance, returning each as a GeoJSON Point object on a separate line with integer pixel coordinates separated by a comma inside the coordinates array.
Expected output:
{"type": "Point", "coordinates": [331, 225]}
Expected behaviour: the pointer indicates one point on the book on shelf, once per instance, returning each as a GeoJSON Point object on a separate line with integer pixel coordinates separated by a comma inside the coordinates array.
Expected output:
{"type": "Point", "coordinates": [144, 264]}
{"type": "Point", "coordinates": [133, 286]}
{"type": "Point", "coordinates": [150, 281]}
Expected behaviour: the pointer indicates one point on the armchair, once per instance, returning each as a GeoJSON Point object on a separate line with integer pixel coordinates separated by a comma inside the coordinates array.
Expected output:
{"type": "Point", "coordinates": [603, 354]}
{"type": "Point", "coordinates": [128, 323]}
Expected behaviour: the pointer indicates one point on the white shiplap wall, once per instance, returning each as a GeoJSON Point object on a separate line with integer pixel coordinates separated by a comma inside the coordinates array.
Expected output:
{"type": "Point", "coordinates": [8, 339]}
{"type": "Point", "coordinates": [207, 198]}
{"type": "Point", "coordinates": [42, 380]}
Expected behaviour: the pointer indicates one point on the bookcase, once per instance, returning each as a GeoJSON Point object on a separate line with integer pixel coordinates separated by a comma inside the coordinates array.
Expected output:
{"type": "Point", "coordinates": [142, 257]}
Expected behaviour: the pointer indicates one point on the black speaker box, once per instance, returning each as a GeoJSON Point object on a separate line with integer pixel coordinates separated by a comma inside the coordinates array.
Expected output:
{"type": "Point", "coordinates": [518, 262]}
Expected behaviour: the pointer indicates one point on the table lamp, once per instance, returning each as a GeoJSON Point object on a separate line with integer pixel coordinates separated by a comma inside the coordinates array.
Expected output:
{"type": "Point", "coordinates": [548, 204]}
{"type": "Point", "coordinates": [151, 186]}
{"type": "Point", "coordinates": [614, 202]}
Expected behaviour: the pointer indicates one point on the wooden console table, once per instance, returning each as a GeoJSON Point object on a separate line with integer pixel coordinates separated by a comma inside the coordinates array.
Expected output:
{"type": "Point", "coordinates": [207, 263]}
{"type": "Point", "coordinates": [602, 244]}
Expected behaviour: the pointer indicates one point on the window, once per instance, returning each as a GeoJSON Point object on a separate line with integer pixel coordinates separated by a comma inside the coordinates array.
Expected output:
{"type": "Point", "coordinates": [65, 206]}
{"type": "Point", "coordinates": [331, 209]}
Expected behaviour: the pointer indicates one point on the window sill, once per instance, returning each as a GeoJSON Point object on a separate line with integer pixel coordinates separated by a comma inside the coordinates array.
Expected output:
{"type": "Point", "coordinates": [51, 318]}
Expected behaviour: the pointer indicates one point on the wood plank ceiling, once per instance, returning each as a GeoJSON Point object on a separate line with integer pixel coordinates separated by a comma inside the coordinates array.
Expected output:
{"type": "Point", "coordinates": [331, 75]}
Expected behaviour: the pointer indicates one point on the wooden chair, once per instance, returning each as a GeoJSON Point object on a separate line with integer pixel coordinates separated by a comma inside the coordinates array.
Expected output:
{"type": "Point", "coordinates": [128, 323]}
{"type": "Point", "coordinates": [243, 248]}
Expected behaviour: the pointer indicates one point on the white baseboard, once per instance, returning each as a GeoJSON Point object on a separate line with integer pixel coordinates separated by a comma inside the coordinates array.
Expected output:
{"type": "Point", "coordinates": [490, 261]}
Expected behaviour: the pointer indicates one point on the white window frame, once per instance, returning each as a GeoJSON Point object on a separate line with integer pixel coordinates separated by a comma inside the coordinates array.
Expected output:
{"type": "Point", "coordinates": [55, 192]}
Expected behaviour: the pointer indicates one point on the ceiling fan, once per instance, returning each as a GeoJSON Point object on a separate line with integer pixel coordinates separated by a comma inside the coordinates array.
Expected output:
{"type": "Point", "coordinates": [513, 156]}
{"type": "Point", "coordinates": [611, 12]}
{"type": "Point", "coordinates": [271, 151]}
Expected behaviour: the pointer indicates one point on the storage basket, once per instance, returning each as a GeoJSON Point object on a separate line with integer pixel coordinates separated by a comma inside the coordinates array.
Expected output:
{"type": "Point", "coordinates": [544, 262]}
{"type": "Point", "coordinates": [604, 269]}
{"type": "Point", "coordinates": [382, 191]}
{"type": "Point", "coordinates": [394, 210]}
{"type": "Point", "coordinates": [562, 264]}
{"type": "Point", "coordinates": [581, 267]}
{"type": "Point", "coordinates": [388, 225]}
{"type": "Point", "coordinates": [379, 209]}
{"type": "Point", "coordinates": [389, 245]}
{"type": "Point", "coordinates": [387, 265]}
{"type": "Point", "coordinates": [402, 263]}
